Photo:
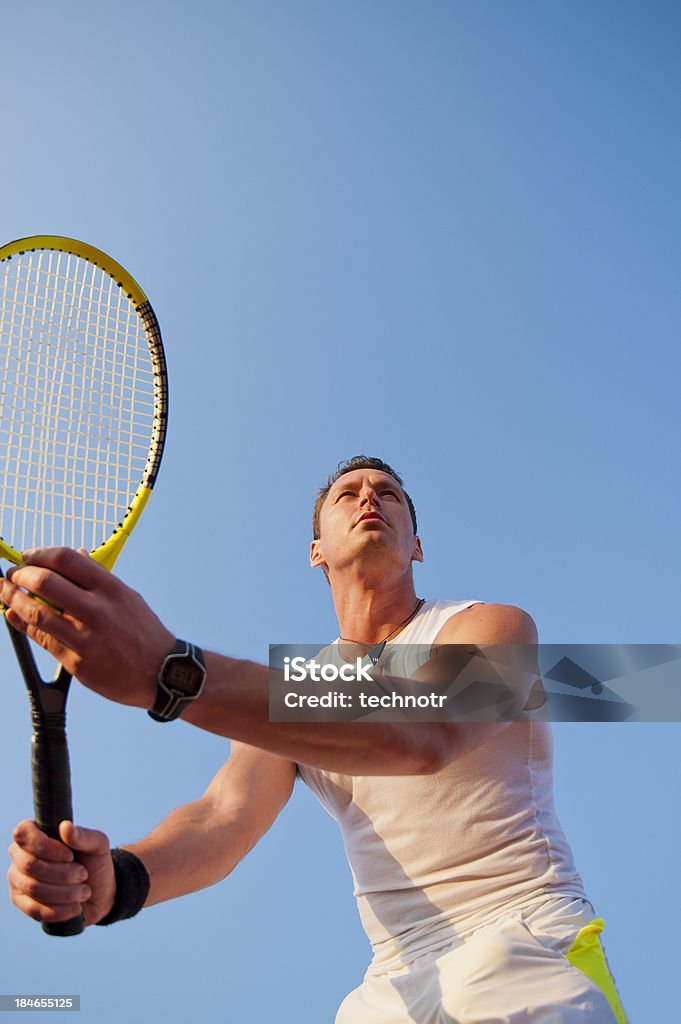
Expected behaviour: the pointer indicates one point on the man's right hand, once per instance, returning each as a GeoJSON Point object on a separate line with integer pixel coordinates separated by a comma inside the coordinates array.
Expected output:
{"type": "Point", "coordinates": [48, 883]}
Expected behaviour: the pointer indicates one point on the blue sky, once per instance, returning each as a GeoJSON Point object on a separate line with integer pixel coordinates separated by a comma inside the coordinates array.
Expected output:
{"type": "Point", "coordinates": [443, 233]}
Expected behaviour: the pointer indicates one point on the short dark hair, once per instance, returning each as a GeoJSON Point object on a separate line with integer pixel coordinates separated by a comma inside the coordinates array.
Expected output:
{"type": "Point", "coordinates": [357, 462]}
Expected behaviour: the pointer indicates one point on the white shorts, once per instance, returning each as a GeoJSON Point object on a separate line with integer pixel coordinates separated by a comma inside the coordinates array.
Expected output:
{"type": "Point", "coordinates": [513, 971]}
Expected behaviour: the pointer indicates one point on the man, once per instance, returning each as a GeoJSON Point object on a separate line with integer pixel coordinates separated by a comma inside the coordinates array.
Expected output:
{"type": "Point", "coordinates": [464, 878]}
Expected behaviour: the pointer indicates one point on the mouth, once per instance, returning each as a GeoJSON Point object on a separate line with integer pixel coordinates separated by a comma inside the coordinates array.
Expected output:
{"type": "Point", "coordinates": [370, 517]}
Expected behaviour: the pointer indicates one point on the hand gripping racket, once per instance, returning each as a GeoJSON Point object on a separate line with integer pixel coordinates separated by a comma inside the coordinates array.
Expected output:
{"type": "Point", "coordinates": [83, 412]}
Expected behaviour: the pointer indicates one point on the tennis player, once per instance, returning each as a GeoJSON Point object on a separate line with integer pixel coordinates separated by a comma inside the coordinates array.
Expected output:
{"type": "Point", "coordinates": [465, 881]}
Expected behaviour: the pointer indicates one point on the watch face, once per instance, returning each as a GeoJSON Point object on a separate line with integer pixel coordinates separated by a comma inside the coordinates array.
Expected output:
{"type": "Point", "coordinates": [184, 676]}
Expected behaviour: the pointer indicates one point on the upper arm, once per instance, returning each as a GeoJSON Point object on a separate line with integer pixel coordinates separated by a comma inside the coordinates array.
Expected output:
{"type": "Point", "coordinates": [250, 790]}
{"type": "Point", "coordinates": [504, 679]}
{"type": "Point", "coordinates": [508, 637]}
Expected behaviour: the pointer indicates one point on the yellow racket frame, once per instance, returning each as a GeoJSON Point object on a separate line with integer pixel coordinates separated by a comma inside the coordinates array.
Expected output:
{"type": "Point", "coordinates": [107, 553]}
{"type": "Point", "coordinates": [72, 247]}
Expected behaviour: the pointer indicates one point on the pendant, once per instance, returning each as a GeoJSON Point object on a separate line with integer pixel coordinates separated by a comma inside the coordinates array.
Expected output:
{"type": "Point", "coordinates": [375, 653]}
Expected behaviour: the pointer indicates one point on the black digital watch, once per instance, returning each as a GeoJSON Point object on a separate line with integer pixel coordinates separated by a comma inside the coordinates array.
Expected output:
{"type": "Point", "coordinates": [180, 681]}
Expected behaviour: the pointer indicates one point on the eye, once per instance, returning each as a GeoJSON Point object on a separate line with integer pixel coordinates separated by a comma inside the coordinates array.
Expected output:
{"type": "Point", "coordinates": [388, 490]}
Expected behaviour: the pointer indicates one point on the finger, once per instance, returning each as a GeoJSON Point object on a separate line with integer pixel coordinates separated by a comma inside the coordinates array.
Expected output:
{"type": "Point", "coordinates": [26, 865]}
{"type": "Point", "coordinates": [59, 650]}
{"type": "Point", "coordinates": [55, 631]}
{"type": "Point", "coordinates": [29, 837]}
{"type": "Point", "coordinates": [15, 620]}
{"type": "Point", "coordinates": [41, 912]}
{"type": "Point", "coordinates": [48, 893]}
{"type": "Point", "coordinates": [76, 566]}
{"type": "Point", "coordinates": [64, 654]}
{"type": "Point", "coordinates": [60, 593]}
{"type": "Point", "coordinates": [84, 840]}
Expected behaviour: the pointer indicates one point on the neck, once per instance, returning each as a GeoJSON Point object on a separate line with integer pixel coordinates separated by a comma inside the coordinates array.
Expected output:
{"type": "Point", "coordinates": [369, 612]}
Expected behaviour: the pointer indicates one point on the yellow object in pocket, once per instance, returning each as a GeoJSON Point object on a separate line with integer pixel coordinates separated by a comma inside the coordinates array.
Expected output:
{"type": "Point", "coordinates": [586, 953]}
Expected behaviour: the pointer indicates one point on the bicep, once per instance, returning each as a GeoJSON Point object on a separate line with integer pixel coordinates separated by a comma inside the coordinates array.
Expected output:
{"type": "Point", "coordinates": [251, 789]}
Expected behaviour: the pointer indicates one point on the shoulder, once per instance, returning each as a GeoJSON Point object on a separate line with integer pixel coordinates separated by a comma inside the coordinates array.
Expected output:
{"type": "Point", "coordinates": [489, 624]}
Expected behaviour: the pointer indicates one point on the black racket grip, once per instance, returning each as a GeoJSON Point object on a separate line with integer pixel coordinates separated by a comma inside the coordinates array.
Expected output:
{"type": "Point", "coordinates": [52, 792]}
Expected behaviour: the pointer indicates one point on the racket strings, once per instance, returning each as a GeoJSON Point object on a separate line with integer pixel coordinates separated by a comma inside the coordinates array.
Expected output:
{"type": "Point", "coordinates": [77, 401]}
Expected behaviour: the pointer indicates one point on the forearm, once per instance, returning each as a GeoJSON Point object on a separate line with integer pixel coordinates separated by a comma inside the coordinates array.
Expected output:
{"type": "Point", "coordinates": [190, 850]}
{"type": "Point", "coordinates": [235, 703]}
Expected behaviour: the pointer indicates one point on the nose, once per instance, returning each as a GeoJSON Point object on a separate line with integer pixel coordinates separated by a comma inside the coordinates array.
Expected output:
{"type": "Point", "coordinates": [368, 497]}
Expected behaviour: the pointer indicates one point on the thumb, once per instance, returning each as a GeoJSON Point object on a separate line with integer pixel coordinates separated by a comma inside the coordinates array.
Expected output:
{"type": "Point", "coordinates": [83, 840]}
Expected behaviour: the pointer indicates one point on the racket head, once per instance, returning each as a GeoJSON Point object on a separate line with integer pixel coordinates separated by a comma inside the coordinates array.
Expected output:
{"type": "Point", "coordinates": [83, 398]}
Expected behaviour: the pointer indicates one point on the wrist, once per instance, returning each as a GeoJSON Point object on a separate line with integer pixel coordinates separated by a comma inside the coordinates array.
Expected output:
{"type": "Point", "coordinates": [132, 887]}
{"type": "Point", "coordinates": [155, 656]}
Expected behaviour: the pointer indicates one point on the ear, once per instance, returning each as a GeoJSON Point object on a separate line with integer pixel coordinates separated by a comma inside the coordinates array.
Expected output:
{"type": "Point", "coordinates": [316, 556]}
{"type": "Point", "coordinates": [417, 553]}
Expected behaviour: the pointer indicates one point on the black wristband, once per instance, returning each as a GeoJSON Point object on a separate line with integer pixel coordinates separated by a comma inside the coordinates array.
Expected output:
{"type": "Point", "coordinates": [132, 886]}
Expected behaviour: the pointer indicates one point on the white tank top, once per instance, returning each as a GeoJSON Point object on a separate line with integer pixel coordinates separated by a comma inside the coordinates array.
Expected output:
{"type": "Point", "coordinates": [435, 856]}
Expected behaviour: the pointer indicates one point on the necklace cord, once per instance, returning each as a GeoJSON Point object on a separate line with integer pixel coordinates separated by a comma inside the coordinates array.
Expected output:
{"type": "Point", "coordinates": [377, 649]}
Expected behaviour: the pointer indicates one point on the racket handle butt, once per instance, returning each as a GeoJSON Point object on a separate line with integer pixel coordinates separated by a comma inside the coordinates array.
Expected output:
{"type": "Point", "coordinates": [74, 926]}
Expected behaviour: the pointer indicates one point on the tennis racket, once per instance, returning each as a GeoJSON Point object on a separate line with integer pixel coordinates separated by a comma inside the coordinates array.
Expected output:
{"type": "Point", "coordinates": [83, 412]}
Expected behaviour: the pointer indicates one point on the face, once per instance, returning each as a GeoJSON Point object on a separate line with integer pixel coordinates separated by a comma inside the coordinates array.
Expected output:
{"type": "Point", "coordinates": [365, 516]}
